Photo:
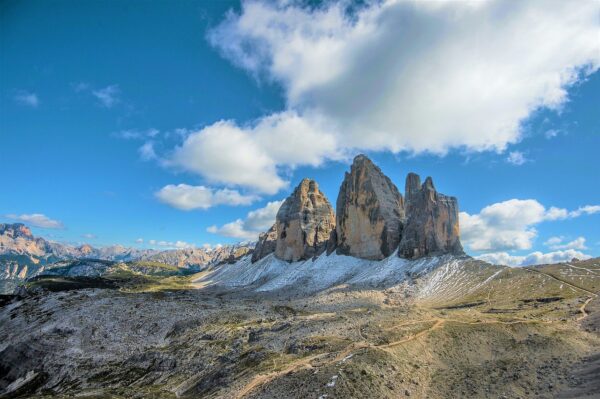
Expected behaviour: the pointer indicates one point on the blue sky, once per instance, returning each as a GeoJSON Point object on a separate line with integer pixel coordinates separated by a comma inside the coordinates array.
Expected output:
{"type": "Point", "coordinates": [106, 108]}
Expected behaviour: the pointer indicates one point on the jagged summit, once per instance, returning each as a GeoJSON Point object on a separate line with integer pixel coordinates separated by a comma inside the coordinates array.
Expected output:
{"type": "Point", "coordinates": [432, 221]}
{"type": "Point", "coordinates": [302, 227]}
{"type": "Point", "coordinates": [370, 212]}
{"type": "Point", "coordinates": [373, 220]}
{"type": "Point", "coordinates": [15, 230]}
{"type": "Point", "coordinates": [304, 223]}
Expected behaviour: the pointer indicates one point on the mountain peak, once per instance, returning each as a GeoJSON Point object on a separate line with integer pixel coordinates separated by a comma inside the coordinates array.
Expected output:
{"type": "Point", "coordinates": [15, 230]}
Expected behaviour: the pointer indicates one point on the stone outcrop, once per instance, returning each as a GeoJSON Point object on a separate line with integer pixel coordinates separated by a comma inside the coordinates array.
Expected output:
{"type": "Point", "coordinates": [265, 245]}
{"type": "Point", "coordinates": [432, 224]}
{"type": "Point", "coordinates": [304, 223]}
{"type": "Point", "coordinates": [370, 212]}
{"type": "Point", "coordinates": [372, 221]}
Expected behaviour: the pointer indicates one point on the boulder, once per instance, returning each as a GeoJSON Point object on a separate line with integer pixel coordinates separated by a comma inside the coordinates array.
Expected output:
{"type": "Point", "coordinates": [304, 223]}
{"type": "Point", "coordinates": [370, 212]}
{"type": "Point", "coordinates": [432, 221]}
{"type": "Point", "coordinates": [265, 245]}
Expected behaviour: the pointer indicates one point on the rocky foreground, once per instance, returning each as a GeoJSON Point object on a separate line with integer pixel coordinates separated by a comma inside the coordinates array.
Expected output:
{"type": "Point", "coordinates": [436, 328]}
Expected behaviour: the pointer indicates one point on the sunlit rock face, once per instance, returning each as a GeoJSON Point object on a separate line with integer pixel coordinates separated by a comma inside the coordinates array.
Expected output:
{"type": "Point", "coordinates": [304, 223]}
{"type": "Point", "coordinates": [370, 212]}
{"type": "Point", "coordinates": [432, 224]}
{"type": "Point", "coordinates": [265, 245]}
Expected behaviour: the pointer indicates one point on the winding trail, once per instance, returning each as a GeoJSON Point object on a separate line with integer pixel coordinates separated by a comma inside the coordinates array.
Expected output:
{"type": "Point", "coordinates": [561, 280]}
{"type": "Point", "coordinates": [305, 363]}
{"type": "Point", "coordinates": [584, 313]}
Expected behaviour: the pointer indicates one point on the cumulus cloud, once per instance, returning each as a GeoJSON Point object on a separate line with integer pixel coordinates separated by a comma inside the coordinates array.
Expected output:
{"type": "Point", "coordinates": [139, 241]}
{"type": "Point", "coordinates": [107, 96]}
{"type": "Point", "coordinates": [37, 220]}
{"type": "Point", "coordinates": [534, 258]}
{"type": "Point", "coordinates": [89, 236]}
{"type": "Point", "coordinates": [249, 156]}
{"type": "Point", "coordinates": [186, 197]}
{"type": "Point", "coordinates": [27, 98]}
{"type": "Point", "coordinates": [256, 222]}
{"type": "Point", "coordinates": [417, 76]}
{"type": "Point", "coordinates": [509, 225]}
{"type": "Point", "coordinates": [557, 243]}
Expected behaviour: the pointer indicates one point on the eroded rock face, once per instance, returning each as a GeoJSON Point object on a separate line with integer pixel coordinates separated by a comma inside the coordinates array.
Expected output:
{"type": "Point", "coordinates": [370, 212]}
{"type": "Point", "coordinates": [265, 245]}
{"type": "Point", "coordinates": [304, 223]}
{"type": "Point", "coordinates": [432, 224]}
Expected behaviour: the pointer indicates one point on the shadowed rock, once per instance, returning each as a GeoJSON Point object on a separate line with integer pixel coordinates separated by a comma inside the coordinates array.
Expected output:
{"type": "Point", "coordinates": [265, 245]}
{"type": "Point", "coordinates": [370, 212]}
{"type": "Point", "coordinates": [304, 223]}
{"type": "Point", "coordinates": [432, 224]}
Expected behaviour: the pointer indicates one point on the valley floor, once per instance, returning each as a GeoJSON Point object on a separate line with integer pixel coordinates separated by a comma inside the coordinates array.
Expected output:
{"type": "Point", "coordinates": [511, 333]}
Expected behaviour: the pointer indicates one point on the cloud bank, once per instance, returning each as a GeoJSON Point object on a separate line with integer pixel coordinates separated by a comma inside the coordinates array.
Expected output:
{"type": "Point", "coordinates": [534, 258]}
{"type": "Point", "coordinates": [510, 225]}
{"type": "Point", "coordinates": [395, 75]}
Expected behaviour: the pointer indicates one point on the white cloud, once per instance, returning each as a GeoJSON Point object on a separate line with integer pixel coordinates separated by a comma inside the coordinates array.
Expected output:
{"type": "Point", "coordinates": [404, 75]}
{"type": "Point", "coordinates": [256, 222]}
{"type": "Point", "coordinates": [108, 96]}
{"type": "Point", "coordinates": [509, 225]}
{"type": "Point", "coordinates": [147, 152]}
{"type": "Point", "coordinates": [585, 210]}
{"type": "Point", "coordinates": [186, 197]}
{"type": "Point", "coordinates": [557, 243]}
{"type": "Point", "coordinates": [249, 156]}
{"type": "Point", "coordinates": [139, 241]}
{"type": "Point", "coordinates": [551, 133]}
{"type": "Point", "coordinates": [37, 220]}
{"type": "Point", "coordinates": [134, 134]}
{"type": "Point", "coordinates": [534, 258]}
{"type": "Point", "coordinates": [554, 240]}
{"type": "Point", "coordinates": [516, 158]}
{"type": "Point", "coordinates": [27, 98]}
{"type": "Point", "coordinates": [89, 236]}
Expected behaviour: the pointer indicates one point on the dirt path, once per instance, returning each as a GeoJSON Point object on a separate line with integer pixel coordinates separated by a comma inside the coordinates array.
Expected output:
{"type": "Point", "coordinates": [593, 271]}
{"type": "Point", "coordinates": [265, 378]}
{"type": "Point", "coordinates": [562, 281]}
{"type": "Point", "coordinates": [584, 314]}
{"type": "Point", "coordinates": [305, 363]}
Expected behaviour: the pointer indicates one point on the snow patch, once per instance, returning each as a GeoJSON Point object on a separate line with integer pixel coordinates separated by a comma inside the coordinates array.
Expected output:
{"type": "Point", "coordinates": [271, 274]}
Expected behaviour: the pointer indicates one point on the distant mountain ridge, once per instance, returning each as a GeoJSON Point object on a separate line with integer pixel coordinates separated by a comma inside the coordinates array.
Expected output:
{"type": "Point", "coordinates": [23, 255]}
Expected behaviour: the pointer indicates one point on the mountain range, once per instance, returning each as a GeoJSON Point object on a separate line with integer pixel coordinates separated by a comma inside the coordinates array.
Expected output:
{"type": "Point", "coordinates": [23, 256]}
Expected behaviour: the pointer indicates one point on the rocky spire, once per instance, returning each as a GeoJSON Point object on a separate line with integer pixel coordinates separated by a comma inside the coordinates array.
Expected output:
{"type": "Point", "coordinates": [304, 223]}
{"type": "Point", "coordinates": [370, 212]}
{"type": "Point", "coordinates": [265, 245]}
{"type": "Point", "coordinates": [432, 224]}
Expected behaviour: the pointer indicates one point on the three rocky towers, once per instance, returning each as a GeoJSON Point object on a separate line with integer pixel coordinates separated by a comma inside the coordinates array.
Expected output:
{"type": "Point", "coordinates": [372, 220]}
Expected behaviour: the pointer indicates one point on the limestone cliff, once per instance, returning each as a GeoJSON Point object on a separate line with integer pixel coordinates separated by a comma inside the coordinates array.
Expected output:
{"type": "Point", "coordinates": [304, 223]}
{"type": "Point", "coordinates": [432, 224]}
{"type": "Point", "coordinates": [370, 212]}
{"type": "Point", "coordinates": [265, 245]}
